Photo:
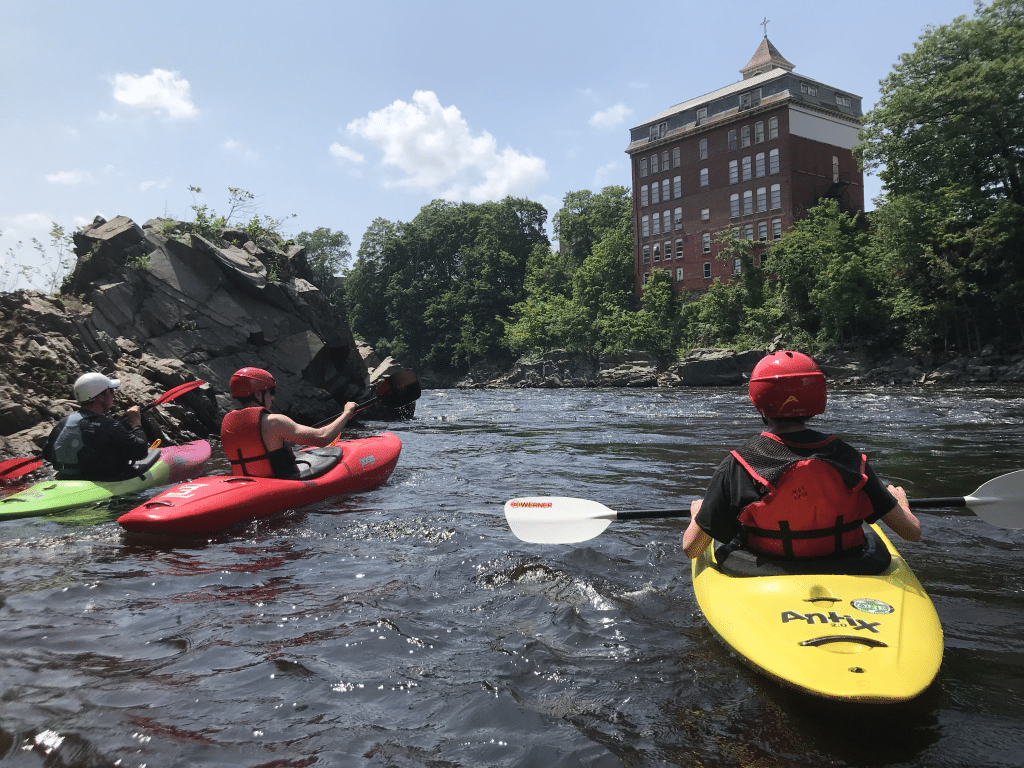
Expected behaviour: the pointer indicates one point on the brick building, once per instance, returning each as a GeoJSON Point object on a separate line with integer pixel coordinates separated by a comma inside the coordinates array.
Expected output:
{"type": "Point", "coordinates": [754, 155]}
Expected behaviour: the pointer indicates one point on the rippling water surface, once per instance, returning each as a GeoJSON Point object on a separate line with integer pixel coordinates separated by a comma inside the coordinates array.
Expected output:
{"type": "Point", "coordinates": [407, 626]}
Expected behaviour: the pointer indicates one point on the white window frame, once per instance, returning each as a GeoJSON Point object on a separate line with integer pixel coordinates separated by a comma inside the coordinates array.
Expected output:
{"type": "Point", "coordinates": [773, 128]}
{"type": "Point", "coordinates": [702, 151]}
{"type": "Point", "coordinates": [677, 186]}
{"type": "Point", "coordinates": [748, 202]}
{"type": "Point", "coordinates": [746, 168]}
{"type": "Point", "coordinates": [707, 270]}
{"type": "Point", "coordinates": [734, 206]}
{"type": "Point", "coordinates": [776, 196]}
{"type": "Point", "coordinates": [776, 229]}
{"type": "Point", "coordinates": [705, 177]}
{"type": "Point", "coordinates": [645, 226]}
{"type": "Point", "coordinates": [759, 166]}
{"type": "Point", "coordinates": [773, 162]}
{"type": "Point", "coordinates": [705, 242]}
{"type": "Point", "coordinates": [759, 132]}
{"type": "Point", "coordinates": [678, 215]}
{"type": "Point", "coordinates": [734, 172]}
{"type": "Point", "coordinates": [762, 199]}
{"type": "Point", "coordinates": [644, 196]}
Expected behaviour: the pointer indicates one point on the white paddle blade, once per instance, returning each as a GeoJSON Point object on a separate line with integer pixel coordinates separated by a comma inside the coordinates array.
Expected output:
{"type": "Point", "coordinates": [556, 519]}
{"type": "Point", "coordinates": [1000, 501]}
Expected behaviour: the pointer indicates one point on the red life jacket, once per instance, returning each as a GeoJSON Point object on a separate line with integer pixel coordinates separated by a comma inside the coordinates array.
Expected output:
{"type": "Point", "coordinates": [242, 441]}
{"type": "Point", "coordinates": [814, 506]}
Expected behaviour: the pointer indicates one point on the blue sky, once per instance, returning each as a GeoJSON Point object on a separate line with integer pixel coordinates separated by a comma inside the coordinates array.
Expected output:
{"type": "Point", "coordinates": [342, 112]}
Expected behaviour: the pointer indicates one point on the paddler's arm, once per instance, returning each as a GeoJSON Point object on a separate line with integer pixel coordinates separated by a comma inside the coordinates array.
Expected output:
{"type": "Point", "coordinates": [279, 428]}
{"type": "Point", "coordinates": [695, 540]}
{"type": "Point", "coordinates": [900, 519]}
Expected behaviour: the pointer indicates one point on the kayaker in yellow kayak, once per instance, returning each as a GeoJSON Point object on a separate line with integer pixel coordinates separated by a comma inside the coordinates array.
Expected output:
{"type": "Point", "coordinates": [90, 445]}
{"type": "Point", "coordinates": [255, 440]}
{"type": "Point", "coordinates": [793, 492]}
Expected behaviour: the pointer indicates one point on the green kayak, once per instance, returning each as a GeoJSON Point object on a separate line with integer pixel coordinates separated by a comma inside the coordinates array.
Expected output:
{"type": "Point", "coordinates": [163, 466]}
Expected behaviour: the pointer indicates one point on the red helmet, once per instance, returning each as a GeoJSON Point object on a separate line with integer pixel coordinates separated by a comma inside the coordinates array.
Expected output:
{"type": "Point", "coordinates": [246, 382]}
{"type": "Point", "coordinates": [787, 384]}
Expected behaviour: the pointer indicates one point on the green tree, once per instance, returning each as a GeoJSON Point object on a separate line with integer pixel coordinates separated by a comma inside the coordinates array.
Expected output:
{"type": "Point", "coordinates": [820, 274]}
{"type": "Point", "coordinates": [327, 254]}
{"type": "Point", "coordinates": [947, 140]}
{"type": "Point", "coordinates": [585, 217]}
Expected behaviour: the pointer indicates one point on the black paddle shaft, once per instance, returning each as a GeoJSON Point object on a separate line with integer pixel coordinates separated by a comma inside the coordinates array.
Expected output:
{"type": "Point", "coordinates": [645, 514]}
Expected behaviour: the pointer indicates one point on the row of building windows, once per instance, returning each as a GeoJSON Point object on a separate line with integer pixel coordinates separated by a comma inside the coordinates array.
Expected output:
{"type": "Point", "coordinates": [763, 200]}
{"type": "Point", "coordinates": [659, 251]}
{"type": "Point", "coordinates": [765, 197]}
{"type": "Point", "coordinates": [662, 162]}
{"type": "Point", "coordinates": [737, 268]}
{"type": "Point", "coordinates": [739, 170]}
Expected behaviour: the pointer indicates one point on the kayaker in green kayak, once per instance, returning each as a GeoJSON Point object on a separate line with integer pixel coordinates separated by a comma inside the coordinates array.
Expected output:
{"type": "Point", "coordinates": [793, 492]}
{"type": "Point", "coordinates": [90, 445]}
{"type": "Point", "coordinates": [255, 440]}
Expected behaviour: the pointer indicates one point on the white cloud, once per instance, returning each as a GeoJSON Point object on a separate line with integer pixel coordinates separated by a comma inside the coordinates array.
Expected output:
{"type": "Point", "coordinates": [611, 117]}
{"type": "Point", "coordinates": [69, 178]}
{"type": "Point", "coordinates": [153, 184]}
{"type": "Point", "coordinates": [435, 149]}
{"type": "Point", "coordinates": [237, 148]}
{"type": "Point", "coordinates": [346, 153]}
{"type": "Point", "coordinates": [160, 91]}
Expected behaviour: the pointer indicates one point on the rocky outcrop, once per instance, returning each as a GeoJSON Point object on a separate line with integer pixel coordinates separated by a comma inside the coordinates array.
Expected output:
{"type": "Point", "coordinates": [711, 368]}
{"type": "Point", "coordinates": [158, 305]}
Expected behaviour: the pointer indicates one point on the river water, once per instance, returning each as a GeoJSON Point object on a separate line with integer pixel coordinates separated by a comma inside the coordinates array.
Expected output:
{"type": "Point", "coordinates": [407, 626]}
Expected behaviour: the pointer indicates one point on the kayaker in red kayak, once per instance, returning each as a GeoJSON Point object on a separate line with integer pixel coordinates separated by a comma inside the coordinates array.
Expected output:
{"type": "Point", "coordinates": [793, 492]}
{"type": "Point", "coordinates": [88, 444]}
{"type": "Point", "coordinates": [255, 440]}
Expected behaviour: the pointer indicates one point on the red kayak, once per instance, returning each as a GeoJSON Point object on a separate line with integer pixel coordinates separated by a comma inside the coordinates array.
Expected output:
{"type": "Point", "coordinates": [214, 503]}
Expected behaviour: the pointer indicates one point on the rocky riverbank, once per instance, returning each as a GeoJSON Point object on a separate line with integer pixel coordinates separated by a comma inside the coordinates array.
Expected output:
{"type": "Point", "coordinates": [156, 306]}
{"type": "Point", "coordinates": [726, 368]}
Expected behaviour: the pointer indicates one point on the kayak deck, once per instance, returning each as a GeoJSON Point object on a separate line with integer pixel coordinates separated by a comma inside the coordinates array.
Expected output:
{"type": "Point", "coordinates": [866, 638]}
{"type": "Point", "coordinates": [216, 502]}
{"type": "Point", "coordinates": [175, 463]}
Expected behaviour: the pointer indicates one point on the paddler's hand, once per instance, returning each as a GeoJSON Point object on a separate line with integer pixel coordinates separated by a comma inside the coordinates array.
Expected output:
{"type": "Point", "coordinates": [134, 416]}
{"type": "Point", "coordinates": [901, 496]}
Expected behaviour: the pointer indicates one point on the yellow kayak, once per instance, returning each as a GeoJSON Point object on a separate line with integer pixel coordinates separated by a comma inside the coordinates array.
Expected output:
{"type": "Point", "coordinates": [866, 637]}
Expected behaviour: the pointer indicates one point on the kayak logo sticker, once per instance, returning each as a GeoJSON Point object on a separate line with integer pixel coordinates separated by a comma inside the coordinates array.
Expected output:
{"type": "Point", "coordinates": [367, 461]}
{"type": "Point", "coordinates": [832, 618]}
{"type": "Point", "coordinates": [182, 491]}
{"type": "Point", "coordinates": [870, 605]}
